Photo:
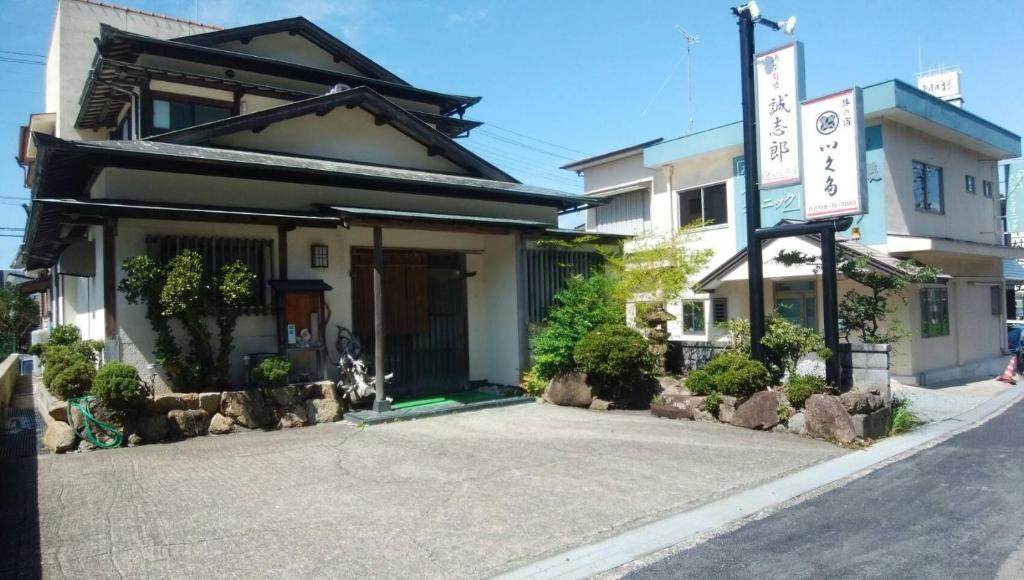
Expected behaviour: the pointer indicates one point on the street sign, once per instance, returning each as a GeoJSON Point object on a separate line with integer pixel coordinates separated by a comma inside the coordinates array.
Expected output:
{"type": "Point", "coordinates": [778, 76]}
{"type": "Point", "coordinates": [833, 156]}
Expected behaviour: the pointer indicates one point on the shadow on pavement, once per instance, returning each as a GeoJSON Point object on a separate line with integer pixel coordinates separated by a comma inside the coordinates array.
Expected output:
{"type": "Point", "coordinates": [20, 446]}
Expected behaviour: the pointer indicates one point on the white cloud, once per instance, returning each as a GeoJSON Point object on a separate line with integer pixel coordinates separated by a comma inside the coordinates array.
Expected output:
{"type": "Point", "coordinates": [469, 15]}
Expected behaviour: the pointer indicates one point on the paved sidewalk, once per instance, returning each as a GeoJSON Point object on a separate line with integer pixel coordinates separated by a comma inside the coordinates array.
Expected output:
{"type": "Point", "coordinates": [460, 496]}
{"type": "Point", "coordinates": [943, 401]}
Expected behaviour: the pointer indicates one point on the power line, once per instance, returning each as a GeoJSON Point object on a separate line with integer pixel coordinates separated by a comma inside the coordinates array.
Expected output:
{"type": "Point", "coordinates": [523, 145]}
{"type": "Point", "coordinates": [495, 150]}
{"type": "Point", "coordinates": [19, 60]}
{"type": "Point", "coordinates": [22, 53]}
{"type": "Point", "coordinates": [570, 149]}
{"type": "Point", "coordinates": [524, 162]}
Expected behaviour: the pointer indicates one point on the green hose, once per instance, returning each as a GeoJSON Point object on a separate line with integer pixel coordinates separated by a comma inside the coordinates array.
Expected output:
{"type": "Point", "coordinates": [90, 420]}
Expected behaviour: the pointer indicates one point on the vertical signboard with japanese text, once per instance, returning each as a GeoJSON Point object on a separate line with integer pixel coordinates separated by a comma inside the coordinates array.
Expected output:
{"type": "Point", "coordinates": [778, 77]}
{"type": "Point", "coordinates": [833, 156]}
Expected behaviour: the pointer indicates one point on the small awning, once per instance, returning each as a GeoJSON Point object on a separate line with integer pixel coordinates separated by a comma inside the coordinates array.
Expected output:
{"type": "Point", "coordinates": [644, 185]}
{"type": "Point", "coordinates": [390, 217]}
{"type": "Point", "coordinates": [901, 245]}
{"type": "Point", "coordinates": [34, 286]}
{"type": "Point", "coordinates": [300, 286]}
{"type": "Point", "coordinates": [1013, 272]}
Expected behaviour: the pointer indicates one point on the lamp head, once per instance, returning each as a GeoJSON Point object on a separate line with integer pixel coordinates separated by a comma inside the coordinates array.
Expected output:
{"type": "Point", "coordinates": [754, 10]}
{"type": "Point", "coordinates": [789, 26]}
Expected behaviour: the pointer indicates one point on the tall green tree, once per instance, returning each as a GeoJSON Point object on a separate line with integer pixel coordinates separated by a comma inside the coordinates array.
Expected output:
{"type": "Point", "coordinates": [19, 315]}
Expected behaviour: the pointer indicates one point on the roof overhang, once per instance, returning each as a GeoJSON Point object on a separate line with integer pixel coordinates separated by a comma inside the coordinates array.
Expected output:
{"type": "Point", "coordinates": [67, 168]}
{"type": "Point", "coordinates": [361, 216]}
{"type": "Point", "coordinates": [623, 153]}
{"type": "Point", "coordinates": [125, 46]}
{"type": "Point", "coordinates": [622, 189]}
{"type": "Point", "coordinates": [714, 140]}
{"type": "Point", "coordinates": [900, 245]}
{"type": "Point", "coordinates": [35, 286]}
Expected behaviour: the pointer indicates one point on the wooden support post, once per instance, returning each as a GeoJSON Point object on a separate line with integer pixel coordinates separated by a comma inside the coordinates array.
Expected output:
{"type": "Point", "coordinates": [380, 404]}
{"type": "Point", "coordinates": [282, 251]}
{"type": "Point", "coordinates": [109, 281]}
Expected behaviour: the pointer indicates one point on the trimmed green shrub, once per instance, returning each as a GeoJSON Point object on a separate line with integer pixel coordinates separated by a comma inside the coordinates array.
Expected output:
{"type": "Point", "coordinates": [801, 387]}
{"type": "Point", "coordinates": [532, 384]}
{"type": "Point", "coordinates": [784, 343]}
{"type": "Point", "coordinates": [711, 404]}
{"type": "Point", "coordinates": [273, 372]}
{"type": "Point", "coordinates": [117, 383]}
{"type": "Point", "coordinates": [69, 371]}
{"type": "Point", "coordinates": [617, 360]}
{"type": "Point", "coordinates": [64, 335]}
{"type": "Point", "coordinates": [730, 373]}
{"type": "Point", "coordinates": [583, 305]}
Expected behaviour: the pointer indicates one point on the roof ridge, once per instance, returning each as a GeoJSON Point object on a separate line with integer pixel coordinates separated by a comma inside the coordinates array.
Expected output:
{"type": "Point", "coordinates": [147, 13]}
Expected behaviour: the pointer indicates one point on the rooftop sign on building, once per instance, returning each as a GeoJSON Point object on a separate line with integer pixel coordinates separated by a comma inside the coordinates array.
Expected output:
{"type": "Point", "coordinates": [943, 84]}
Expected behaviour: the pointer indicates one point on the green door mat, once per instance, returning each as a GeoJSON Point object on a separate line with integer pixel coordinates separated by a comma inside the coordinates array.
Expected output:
{"type": "Point", "coordinates": [460, 397]}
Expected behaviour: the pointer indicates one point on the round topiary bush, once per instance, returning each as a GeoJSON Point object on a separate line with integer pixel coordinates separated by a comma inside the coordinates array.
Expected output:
{"type": "Point", "coordinates": [801, 387]}
{"type": "Point", "coordinates": [64, 335]}
{"type": "Point", "coordinates": [729, 373]}
{"type": "Point", "coordinates": [117, 383]}
{"type": "Point", "coordinates": [617, 360]}
{"type": "Point", "coordinates": [68, 372]}
{"type": "Point", "coordinates": [273, 372]}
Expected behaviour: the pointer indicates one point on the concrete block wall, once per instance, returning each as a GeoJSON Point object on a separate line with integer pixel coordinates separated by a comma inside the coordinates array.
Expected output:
{"type": "Point", "coordinates": [865, 367]}
{"type": "Point", "coordinates": [8, 377]}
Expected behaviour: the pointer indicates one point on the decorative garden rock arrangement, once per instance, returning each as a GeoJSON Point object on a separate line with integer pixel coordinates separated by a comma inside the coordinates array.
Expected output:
{"type": "Point", "coordinates": [842, 419]}
{"type": "Point", "coordinates": [569, 390]}
{"type": "Point", "coordinates": [174, 416]}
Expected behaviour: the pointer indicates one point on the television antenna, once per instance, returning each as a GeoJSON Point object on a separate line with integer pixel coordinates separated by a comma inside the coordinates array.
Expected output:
{"type": "Point", "coordinates": [691, 40]}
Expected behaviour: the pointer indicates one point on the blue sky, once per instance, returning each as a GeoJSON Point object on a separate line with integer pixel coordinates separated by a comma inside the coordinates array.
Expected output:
{"type": "Point", "coordinates": [566, 78]}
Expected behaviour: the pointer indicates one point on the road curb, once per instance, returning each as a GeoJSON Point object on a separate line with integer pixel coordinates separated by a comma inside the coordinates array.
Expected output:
{"type": "Point", "coordinates": [610, 553]}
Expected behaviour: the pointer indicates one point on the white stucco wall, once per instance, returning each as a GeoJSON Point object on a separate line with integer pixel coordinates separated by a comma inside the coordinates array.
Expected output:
{"type": "Point", "coordinates": [295, 49]}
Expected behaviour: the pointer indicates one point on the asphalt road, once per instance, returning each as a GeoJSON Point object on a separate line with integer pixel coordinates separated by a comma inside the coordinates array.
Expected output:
{"type": "Point", "coordinates": [953, 511]}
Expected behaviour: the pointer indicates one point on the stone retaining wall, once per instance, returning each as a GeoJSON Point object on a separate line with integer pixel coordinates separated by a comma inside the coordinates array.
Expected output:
{"type": "Point", "coordinates": [865, 367]}
{"type": "Point", "coordinates": [8, 377]}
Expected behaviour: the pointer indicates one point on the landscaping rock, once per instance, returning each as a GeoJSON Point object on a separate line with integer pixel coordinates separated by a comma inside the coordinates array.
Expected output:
{"type": "Point", "coordinates": [291, 420]}
{"type": "Point", "coordinates": [172, 401]}
{"type": "Point", "coordinates": [221, 425]}
{"type": "Point", "coordinates": [600, 405]}
{"type": "Point", "coordinates": [828, 419]}
{"type": "Point", "coordinates": [671, 386]}
{"type": "Point", "coordinates": [247, 408]}
{"type": "Point", "coordinates": [188, 423]}
{"type": "Point", "coordinates": [569, 390]}
{"type": "Point", "coordinates": [323, 411]}
{"type": "Point", "coordinates": [284, 396]}
{"type": "Point", "coordinates": [87, 445]}
{"type": "Point", "coordinates": [134, 440]}
{"type": "Point", "coordinates": [861, 402]}
{"type": "Point", "coordinates": [670, 411]}
{"type": "Point", "coordinates": [318, 390]}
{"type": "Point", "coordinates": [872, 425]}
{"type": "Point", "coordinates": [152, 428]}
{"type": "Point", "coordinates": [59, 437]}
{"type": "Point", "coordinates": [726, 408]}
{"type": "Point", "coordinates": [120, 419]}
{"type": "Point", "coordinates": [760, 411]}
{"type": "Point", "coordinates": [210, 402]}
{"type": "Point", "coordinates": [797, 424]}
{"type": "Point", "coordinates": [58, 411]}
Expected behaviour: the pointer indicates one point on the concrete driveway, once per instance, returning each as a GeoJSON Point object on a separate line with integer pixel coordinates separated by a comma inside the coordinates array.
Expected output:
{"type": "Point", "coordinates": [459, 496]}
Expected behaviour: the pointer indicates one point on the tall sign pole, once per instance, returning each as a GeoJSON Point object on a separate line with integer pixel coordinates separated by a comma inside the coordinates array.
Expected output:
{"type": "Point", "coordinates": [755, 273]}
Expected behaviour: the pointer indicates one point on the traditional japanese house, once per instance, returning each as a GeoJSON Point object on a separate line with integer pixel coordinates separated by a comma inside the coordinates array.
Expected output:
{"type": "Point", "coordinates": [278, 145]}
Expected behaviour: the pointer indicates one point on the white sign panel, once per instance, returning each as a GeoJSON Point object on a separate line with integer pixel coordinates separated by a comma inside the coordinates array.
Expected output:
{"type": "Point", "coordinates": [833, 156]}
{"type": "Point", "coordinates": [779, 91]}
{"type": "Point", "coordinates": [944, 84]}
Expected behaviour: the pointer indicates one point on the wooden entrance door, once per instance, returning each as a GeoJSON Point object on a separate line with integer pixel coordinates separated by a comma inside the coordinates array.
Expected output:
{"type": "Point", "coordinates": [425, 319]}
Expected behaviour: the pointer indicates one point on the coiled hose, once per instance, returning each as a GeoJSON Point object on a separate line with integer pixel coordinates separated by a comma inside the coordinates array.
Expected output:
{"type": "Point", "coordinates": [82, 404]}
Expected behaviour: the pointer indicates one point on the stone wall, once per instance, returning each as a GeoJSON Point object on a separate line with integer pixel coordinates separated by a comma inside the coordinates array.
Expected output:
{"type": "Point", "coordinates": [8, 376]}
{"type": "Point", "coordinates": [865, 367]}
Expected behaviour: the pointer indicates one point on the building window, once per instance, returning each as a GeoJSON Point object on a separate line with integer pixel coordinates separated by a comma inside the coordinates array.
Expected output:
{"type": "Point", "coordinates": [927, 187]}
{"type": "Point", "coordinates": [704, 203]}
{"type": "Point", "coordinates": [218, 252]}
{"type": "Point", "coordinates": [934, 312]}
{"type": "Point", "coordinates": [171, 115]}
{"type": "Point", "coordinates": [318, 256]}
{"type": "Point", "coordinates": [719, 310]}
{"type": "Point", "coordinates": [986, 187]}
{"type": "Point", "coordinates": [996, 297]}
{"type": "Point", "coordinates": [693, 316]}
{"type": "Point", "coordinates": [969, 184]}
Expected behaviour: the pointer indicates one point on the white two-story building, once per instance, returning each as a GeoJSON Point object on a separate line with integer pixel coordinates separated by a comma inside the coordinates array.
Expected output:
{"type": "Point", "coordinates": [931, 170]}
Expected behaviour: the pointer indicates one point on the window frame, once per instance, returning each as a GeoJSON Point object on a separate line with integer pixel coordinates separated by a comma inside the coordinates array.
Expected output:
{"type": "Point", "coordinates": [927, 296]}
{"type": "Point", "coordinates": [715, 303]}
{"type": "Point", "coordinates": [924, 183]}
{"type": "Point", "coordinates": [152, 96]}
{"type": "Point", "coordinates": [969, 184]}
{"type": "Point", "coordinates": [703, 204]}
{"type": "Point", "coordinates": [699, 305]}
{"type": "Point", "coordinates": [987, 188]}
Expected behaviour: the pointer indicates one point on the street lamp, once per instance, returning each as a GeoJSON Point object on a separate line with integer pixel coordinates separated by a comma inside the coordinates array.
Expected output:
{"type": "Point", "coordinates": [747, 15]}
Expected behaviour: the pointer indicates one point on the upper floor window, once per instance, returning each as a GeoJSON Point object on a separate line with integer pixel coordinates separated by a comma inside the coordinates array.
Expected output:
{"type": "Point", "coordinates": [928, 187]}
{"type": "Point", "coordinates": [986, 188]}
{"type": "Point", "coordinates": [969, 184]}
{"type": "Point", "coordinates": [704, 203]}
{"type": "Point", "coordinates": [174, 114]}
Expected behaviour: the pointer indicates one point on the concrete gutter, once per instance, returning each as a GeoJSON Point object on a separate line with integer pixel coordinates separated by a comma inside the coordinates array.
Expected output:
{"type": "Point", "coordinates": [622, 549]}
